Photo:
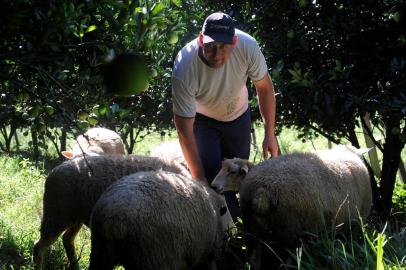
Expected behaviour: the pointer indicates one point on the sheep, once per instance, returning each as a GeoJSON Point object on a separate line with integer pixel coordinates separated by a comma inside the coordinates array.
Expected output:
{"type": "Point", "coordinates": [72, 189]}
{"type": "Point", "coordinates": [96, 141]}
{"type": "Point", "coordinates": [286, 197]}
{"type": "Point", "coordinates": [158, 220]}
{"type": "Point", "coordinates": [170, 150]}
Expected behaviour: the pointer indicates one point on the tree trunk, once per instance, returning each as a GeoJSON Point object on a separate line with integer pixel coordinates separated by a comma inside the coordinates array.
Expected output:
{"type": "Point", "coordinates": [352, 136]}
{"type": "Point", "coordinates": [3, 147]}
{"type": "Point", "coordinates": [13, 129]}
{"type": "Point", "coordinates": [34, 137]}
{"type": "Point", "coordinates": [254, 143]}
{"type": "Point", "coordinates": [62, 139]}
{"type": "Point", "coordinates": [373, 155]}
{"type": "Point", "coordinates": [402, 171]}
{"type": "Point", "coordinates": [17, 141]}
{"type": "Point", "coordinates": [132, 142]}
{"type": "Point", "coordinates": [391, 158]}
{"type": "Point", "coordinates": [8, 136]}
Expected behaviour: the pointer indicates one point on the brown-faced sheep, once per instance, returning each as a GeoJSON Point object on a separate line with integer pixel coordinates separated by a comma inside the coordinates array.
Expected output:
{"type": "Point", "coordinates": [96, 141]}
{"type": "Point", "coordinates": [285, 197]}
{"type": "Point", "coordinates": [72, 189]}
{"type": "Point", "coordinates": [158, 220]}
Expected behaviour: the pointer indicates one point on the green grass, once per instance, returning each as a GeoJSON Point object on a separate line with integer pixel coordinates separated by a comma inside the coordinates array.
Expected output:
{"type": "Point", "coordinates": [372, 249]}
{"type": "Point", "coordinates": [21, 191]}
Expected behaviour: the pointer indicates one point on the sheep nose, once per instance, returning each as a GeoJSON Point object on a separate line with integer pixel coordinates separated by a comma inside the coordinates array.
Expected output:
{"type": "Point", "coordinates": [218, 189]}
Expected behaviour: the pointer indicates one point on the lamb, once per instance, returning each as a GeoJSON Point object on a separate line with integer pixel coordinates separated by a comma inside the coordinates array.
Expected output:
{"type": "Point", "coordinates": [158, 220]}
{"type": "Point", "coordinates": [96, 141]}
{"type": "Point", "coordinates": [72, 189]}
{"type": "Point", "coordinates": [285, 197]}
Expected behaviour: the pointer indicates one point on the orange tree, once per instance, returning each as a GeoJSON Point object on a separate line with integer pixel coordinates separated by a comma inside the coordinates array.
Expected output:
{"type": "Point", "coordinates": [51, 58]}
{"type": "Point", "coordinates": [334, 62]}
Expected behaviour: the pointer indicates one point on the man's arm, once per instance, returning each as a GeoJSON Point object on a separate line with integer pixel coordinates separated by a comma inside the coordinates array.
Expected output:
{"type": "Point", "coordinates": [184, 127]}
{"type": "Point", "coordinates": [267, 107]}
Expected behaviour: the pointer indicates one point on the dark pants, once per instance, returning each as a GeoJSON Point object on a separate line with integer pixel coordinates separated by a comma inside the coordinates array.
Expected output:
{"type": "Point", "coordinates": [218, 140]}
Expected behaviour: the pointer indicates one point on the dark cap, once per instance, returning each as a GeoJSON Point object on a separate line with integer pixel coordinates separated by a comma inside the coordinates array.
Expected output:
{"type": "Point", "coordinates": [218, 27]}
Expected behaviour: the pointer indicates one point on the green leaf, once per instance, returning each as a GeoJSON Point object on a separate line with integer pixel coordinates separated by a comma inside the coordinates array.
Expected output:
{"type": "Point", "coordinates": [92, 121]}
{"type": "Point", "coordinates": [103, 109]}
{"type": "Point", "coordinates": [91, 28]}
{"type": "Point", "coordinates": [123, 113]}
{"type": "Point", "coordinates": [159, 19]}
{"type": "Point", "coordinates": [116, 4]}
{"type": "Point", "coordinates": [142, 10]}
{"type": "Point", "coordinates": [177, 3]}
{"type": "Point", "coordinates": [157, 8]}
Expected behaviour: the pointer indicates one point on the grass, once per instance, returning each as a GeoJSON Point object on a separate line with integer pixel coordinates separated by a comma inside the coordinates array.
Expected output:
{"type": "Point", "coordinates": [370, 250]}
{"type": "Point", "coordinates": [21, 189]}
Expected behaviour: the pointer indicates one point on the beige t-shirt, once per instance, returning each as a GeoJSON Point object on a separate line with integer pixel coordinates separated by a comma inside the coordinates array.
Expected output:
{"type": "Point", "coordinates": [219, 93]}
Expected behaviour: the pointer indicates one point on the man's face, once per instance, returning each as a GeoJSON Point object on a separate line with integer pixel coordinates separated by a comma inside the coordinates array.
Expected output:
{"type": "Point", "coordinates": [217, 53]}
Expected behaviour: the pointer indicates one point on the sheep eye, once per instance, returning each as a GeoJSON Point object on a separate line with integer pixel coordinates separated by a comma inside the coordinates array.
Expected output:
{"type": "Point", "coordinates": [223, 210]}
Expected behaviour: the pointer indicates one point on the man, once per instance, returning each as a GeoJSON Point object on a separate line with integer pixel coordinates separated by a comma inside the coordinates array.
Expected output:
{"type": "Point", "coordinates": [210, 98]}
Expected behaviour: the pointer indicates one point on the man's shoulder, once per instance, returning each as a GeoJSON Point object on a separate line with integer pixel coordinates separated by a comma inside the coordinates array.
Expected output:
{"type": "Point", "coordinates": [245, 38]}
{"type": "Point", "coordinates": [247, 45]}
{"type": "Point", "coordinates": [185, 58]}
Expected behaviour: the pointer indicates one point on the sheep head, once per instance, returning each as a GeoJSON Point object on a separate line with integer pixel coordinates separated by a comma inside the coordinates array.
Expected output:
{"type": "Point", "coordinates": [360, 152]}
{"type": "Point", "coordinates": [231, 174]}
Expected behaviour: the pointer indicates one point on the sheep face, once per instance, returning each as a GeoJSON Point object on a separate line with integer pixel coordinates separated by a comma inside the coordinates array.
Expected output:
{"type": "Point", "coordinates": [94, 142]}
{"type": "Point", "coordinates": [231, 174]}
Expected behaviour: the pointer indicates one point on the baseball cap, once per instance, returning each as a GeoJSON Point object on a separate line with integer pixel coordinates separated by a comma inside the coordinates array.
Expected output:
{"type": "Point", "coordinates": [218, 27]}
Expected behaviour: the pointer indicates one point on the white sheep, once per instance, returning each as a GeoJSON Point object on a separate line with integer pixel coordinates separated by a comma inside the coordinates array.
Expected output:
{"type": "Point", "coordinates": [96, 141]}
{"type": "Point", "coordinates": [170, 150]}
{"type": "Point", "coordinates": [283, 198]}
{"type": "Point", "coordinates": [158, 220]}
{"type": "Point", "coordinates": [72, 189]}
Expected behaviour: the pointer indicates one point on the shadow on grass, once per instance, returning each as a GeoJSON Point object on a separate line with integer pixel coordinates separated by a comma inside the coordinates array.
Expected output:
{"type": "Point", "coordinates": [11, 255]}
{"type": "Point", "coordinates": [16, 252]}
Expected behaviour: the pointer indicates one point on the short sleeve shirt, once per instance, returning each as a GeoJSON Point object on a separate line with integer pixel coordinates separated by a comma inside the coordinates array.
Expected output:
{"type": "Point", "coordinates": [218, 93]}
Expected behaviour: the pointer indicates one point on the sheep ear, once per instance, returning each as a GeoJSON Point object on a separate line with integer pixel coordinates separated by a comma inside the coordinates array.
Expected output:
{"type": "Point", "coordinates": [244, 169]}
{"type": "Point", "coordinates": [363, 151]}
{"type": "Point", "coordinates": [67, 154]}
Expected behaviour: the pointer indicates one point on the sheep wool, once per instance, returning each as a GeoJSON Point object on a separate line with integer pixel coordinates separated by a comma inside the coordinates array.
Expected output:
{"type": "Point", "coordinates": [306, 192]}
{"type": "Point", "coordinates": [157, 220]}
{"type": "Point", "coordinates": [284, 198]}
{"type": "Point", "coordinates": [72, 189]}
{"type": "Point", "coordinates": [170, 150]}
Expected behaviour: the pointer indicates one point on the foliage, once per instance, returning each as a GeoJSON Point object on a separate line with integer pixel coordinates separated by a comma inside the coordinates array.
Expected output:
{"type": "Point", "coordinates": [370, 250]}
{"type": "Point", "coordinates": [399, 196]}
{"type": "Point", "coordinates": [334, 62]}
{"type": "Point", "coordinates": [52, 53]}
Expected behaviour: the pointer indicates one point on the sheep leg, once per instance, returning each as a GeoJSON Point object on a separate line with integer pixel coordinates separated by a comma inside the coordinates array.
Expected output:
{"type": "Point", "coordinates": [211, 265]}
{"type": "Point", "coordinates": [39, 248]}
{"type": "Point", "coordinates": [69, 245]}
{"type": "Point", "coordinates": [256, 256]}
{"type": "Point", "coordinates": [99, 259]}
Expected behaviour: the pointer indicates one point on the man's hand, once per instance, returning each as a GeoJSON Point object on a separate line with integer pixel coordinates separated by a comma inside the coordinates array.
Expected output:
{"type": "Point", "coordinates": [267, 107]}
{"type": "Point", "coordinates": [269, 145]}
